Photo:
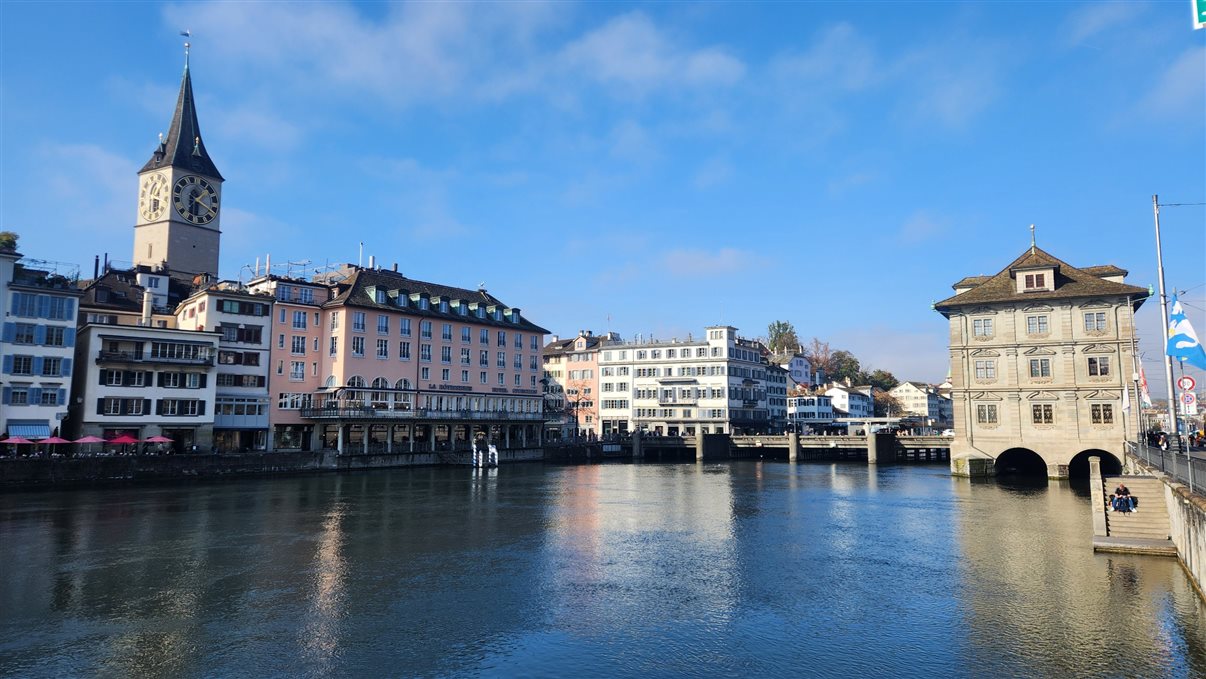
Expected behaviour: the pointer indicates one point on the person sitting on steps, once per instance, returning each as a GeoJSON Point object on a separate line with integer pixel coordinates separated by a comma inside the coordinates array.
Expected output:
{"type": "Point", "coordinates": [1123, 500]}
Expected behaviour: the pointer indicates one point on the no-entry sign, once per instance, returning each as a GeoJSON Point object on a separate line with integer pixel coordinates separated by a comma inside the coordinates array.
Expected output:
{"type": "Point", "coordinates": [1186, 383]}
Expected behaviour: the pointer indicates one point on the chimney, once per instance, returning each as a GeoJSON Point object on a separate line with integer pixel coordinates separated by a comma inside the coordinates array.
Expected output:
{"type": "Point", "coordinates": [96, 267]}
{"type": "Point", "coordinates": [147, 304]}
{"type": "Point", "coordinates": [268, 264]}
{"type": "Point", "coordinates": [372, 261]}
{"type": "Point", "coordinates": [257, 268]}
{"type": "Point", "coordinates": [395, 267]}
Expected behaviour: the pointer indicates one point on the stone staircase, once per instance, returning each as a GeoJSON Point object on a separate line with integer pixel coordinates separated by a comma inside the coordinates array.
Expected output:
{"type": "Point", "coordinates": [1151, 521]}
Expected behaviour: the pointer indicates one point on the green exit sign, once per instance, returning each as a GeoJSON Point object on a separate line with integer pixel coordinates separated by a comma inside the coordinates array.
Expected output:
{"type": "Point", "coordinates": [1199, 13]}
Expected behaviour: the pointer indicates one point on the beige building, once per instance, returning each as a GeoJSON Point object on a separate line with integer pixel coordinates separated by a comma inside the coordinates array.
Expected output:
{"type": "Point", "coordinates": [1040, 354]}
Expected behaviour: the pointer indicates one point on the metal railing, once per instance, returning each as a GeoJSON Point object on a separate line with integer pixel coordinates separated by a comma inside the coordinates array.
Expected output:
{"type": "Point", "coordinates": [137, 357]}
{"type": "Point", "coordinates": [351, 412]}
{"type": "Point", "coordinates": [1179, 465]}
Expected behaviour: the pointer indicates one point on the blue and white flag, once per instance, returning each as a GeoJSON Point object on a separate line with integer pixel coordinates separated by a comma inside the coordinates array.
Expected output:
{"type": "Point", "coordinates": [1183, 343]}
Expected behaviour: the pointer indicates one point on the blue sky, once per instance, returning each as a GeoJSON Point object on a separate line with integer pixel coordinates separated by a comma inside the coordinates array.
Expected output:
{"type": "Point", "coordinates": [651, 168]}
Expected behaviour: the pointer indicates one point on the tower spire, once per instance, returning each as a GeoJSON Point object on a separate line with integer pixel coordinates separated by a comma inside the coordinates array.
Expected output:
{"type": "Point", "coordinates": [183, 147]}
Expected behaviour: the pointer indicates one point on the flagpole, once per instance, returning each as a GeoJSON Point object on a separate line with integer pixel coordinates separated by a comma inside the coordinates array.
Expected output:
{"type": "Point", "coordinates": [1168, 371]}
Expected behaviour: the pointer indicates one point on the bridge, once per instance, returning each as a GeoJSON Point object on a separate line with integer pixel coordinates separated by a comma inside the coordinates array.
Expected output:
{"type": "Point", "coordinates": [877, 448]}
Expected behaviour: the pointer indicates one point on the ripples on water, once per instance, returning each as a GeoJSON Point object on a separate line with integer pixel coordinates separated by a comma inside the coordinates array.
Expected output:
{"type": "Point", "coordinates": [741, 569]}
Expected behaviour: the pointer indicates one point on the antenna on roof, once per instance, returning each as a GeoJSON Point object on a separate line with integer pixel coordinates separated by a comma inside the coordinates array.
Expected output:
{"type": "Point", "coordinates": [1032, 239]}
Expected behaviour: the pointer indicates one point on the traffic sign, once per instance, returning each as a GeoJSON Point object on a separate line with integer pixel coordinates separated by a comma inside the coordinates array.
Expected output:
{"type": "Point", "coordinates": [1186, 383]}
{"type": "Point", "coordinates": [1189, 403]}
{"type": "Point", "coordinates": [1199, 14]}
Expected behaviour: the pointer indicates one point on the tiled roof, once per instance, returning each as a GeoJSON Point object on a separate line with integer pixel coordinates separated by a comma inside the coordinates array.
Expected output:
{"type": "Point", "coordinates": [1070, 282]}
{"type": "Point", "coordinates": [119, 290]}
{"type": "Point", "coordinates": [183, 146]}
{"type": "Point", "coordinates": [354, 292]}
{"type": "Point", "coordinates": [971, 281]}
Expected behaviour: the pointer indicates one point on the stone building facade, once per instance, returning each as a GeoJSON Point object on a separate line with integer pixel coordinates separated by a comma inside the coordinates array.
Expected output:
{"type": "Point", "coordinates": [1039, 355]}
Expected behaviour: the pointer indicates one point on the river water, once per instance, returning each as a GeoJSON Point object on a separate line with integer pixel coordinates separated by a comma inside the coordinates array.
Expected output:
{"type": "Point", "coordinates": [726, 570]}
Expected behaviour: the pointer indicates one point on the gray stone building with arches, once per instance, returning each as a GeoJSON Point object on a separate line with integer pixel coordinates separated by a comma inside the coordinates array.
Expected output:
{"type": "Point", "coordinates": [1040, 355]}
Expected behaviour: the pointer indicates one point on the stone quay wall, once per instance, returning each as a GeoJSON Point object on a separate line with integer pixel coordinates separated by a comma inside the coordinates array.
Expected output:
{"type": "Point", "coordinates": [1187, 522]}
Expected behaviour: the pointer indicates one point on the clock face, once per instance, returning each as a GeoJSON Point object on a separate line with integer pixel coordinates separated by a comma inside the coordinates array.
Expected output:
{"type": "Point", "coordinates": [196, 200]}
{"type": "Point", "coordinates": [153, 199]}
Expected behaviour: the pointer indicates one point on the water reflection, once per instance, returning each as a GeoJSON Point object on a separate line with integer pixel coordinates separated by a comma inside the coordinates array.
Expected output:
{"type": "Point", "coordinates": [743, 569]}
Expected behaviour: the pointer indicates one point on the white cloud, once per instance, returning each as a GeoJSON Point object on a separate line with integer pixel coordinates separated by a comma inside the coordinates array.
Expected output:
{"type": "Point", "coordinates": [629, 52]}
{"type": "Point", "coordinates": [951, 82]}
{"type": "Point", "coordinates": [1180, 89]}
{"type": "Point", "coordinates": [1098, 17]}
{"type": "Point", "coordinates": [840, 59]}
{"type": "Point", "coordinates": [714, 172]}
{"type": "Point", "coordinates": [688, 261]}
{"type": "Point", "coordinates": [920, 227]}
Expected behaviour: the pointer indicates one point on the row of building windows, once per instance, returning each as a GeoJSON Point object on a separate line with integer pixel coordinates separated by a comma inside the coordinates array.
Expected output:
{"type": "Point", "coordinates": [169, 407]}
{"type": "Point", "coordinates": [39, 335]}
{"type": "Point", "coordinates": [29, 395]}
{"type": "Point", "coordinates": [1094, 321]}
{"type": "Point", "coordinates": [44, 366]}
{"type": "Point", "coordinates": [1044, 413]}
{"type": "Point", "coordinates": [30, 305]}
{"type": "Point", "coordinates": [986, 369]}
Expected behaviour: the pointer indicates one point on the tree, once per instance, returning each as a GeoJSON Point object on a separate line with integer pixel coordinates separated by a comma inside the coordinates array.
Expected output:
{"type": "Point", "coordinates": [781, 337]}
{"type": "Point", "coordinates": [882, 379]}
{"type": "Point", "coordinates": [886, 404]}
{"type": "Point", "coordinates": [843, 365]}
{"type": "Point", "coordinates": [8, 240]}
{"type": "Point", "coordinates": [820, 356]}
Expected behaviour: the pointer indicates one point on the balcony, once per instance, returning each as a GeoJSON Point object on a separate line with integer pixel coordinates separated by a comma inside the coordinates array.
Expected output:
{"type": "Point", "coordinates": [138, 357]}
{"type": "Point", "coordinates": [678, 401]}
{"type": "Point", "coordinates": [368, 413]}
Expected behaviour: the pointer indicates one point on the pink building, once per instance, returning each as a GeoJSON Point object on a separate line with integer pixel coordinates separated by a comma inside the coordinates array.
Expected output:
{"type": "Point", "coordinates": [402, 366]}
{"type": "Point", "coordinates": [298, 361]}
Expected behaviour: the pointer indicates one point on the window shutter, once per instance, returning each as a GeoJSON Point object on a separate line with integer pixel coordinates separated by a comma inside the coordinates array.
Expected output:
{"type": "Point", "coordinates": [10, 332]}
{"type": "Point", "coordinates": [37, 364]}
{"type": "Point", "coordinates": [8, 365]}
{"type": "Point", "coordinates": [6, 395]}
{"type": "Point", "coordinates": [159, 407]}
{"type": "Point", "coordinates": [123, 406]}
{"type": "Point", "coordinates": [127, 378]}
{"type": "Point", "coordinates": [39, 334]}
{"type": "Point", "coordinates": [200, 407]}
{"type": "Point", "coordinates": [146, 406]}
{"type": "Point", "coordinates": [69, 337]}
{"type": "Point", "coordinates": [100, 406]}
{"type": "Point", "coordinates": [100, 379]}
{"type": "Point", "coordinates": [159, 381]}
{"type": "Point", "coordinates": [69, 308]}
{"type": "Point", "coordinates": [62, 397]}
{"type": "Point", "coordinates": [201, 382]}
{"type": "Point", "coordinates": [148, 380]}
{"type": "Point", "coordinates": [65, 368]}
{"type": "Point", "coordinates": [35, 395]}
{"type": "Point", "coordinates": [43, 306]}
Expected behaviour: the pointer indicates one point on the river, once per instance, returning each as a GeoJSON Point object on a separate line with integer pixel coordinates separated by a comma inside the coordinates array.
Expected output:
{"type": "Point", "coordinates": [620, 570]}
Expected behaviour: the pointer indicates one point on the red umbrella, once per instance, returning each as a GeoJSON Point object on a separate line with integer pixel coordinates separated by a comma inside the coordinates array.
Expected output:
{"type": "Point", "coordinates": [17, 441]}
{"type": "Point", "coordinates": [54, 439]}
{"type": "Point", "coordinates": [90, 439]}
{"type": "Point", "coordinates": [159, 439]}
{"type": "Point", "coordinates": [124, 439]}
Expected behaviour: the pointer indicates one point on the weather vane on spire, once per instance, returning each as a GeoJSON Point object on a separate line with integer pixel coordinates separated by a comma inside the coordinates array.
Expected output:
{"type": "Point", "coordinates": [188, 34]}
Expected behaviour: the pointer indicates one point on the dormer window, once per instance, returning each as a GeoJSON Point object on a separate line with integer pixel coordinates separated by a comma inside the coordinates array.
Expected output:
{"type": "Point", "coordinates": [1036, 281]}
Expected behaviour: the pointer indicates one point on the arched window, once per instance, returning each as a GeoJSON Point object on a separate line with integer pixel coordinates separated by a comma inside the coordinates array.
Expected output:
{"type": "Point", "coordinates": [356, 381]}
{"type": "Point", "coordinates": [330, 383]}
{"type": "Point", "coordinates": [402, 384]}
{"type": "Point", "coordinates": [380, 397]}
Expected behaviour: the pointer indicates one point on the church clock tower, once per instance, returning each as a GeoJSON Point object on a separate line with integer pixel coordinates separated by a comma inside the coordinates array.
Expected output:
{"type": "Point", "coordinates": [179, 196]}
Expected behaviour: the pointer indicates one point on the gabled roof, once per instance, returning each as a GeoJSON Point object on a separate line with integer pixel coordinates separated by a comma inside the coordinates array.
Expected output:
{"type": "Point", "coordinates": [1070, 282]}
{"type": "Point", "coordinates": [183, 146]}
{"type": "Point", "coordinates": [567, 344]}
{"type": "Point", "coordinates": [118, 290]}
{"type": "Point", "coordinates": [353, 291]}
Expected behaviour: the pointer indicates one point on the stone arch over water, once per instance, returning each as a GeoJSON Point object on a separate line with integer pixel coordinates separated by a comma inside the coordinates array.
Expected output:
{"type": "Point", "coordinates": [1078, 466]}
{"type": "Point", "coordinates": [1021, 462]}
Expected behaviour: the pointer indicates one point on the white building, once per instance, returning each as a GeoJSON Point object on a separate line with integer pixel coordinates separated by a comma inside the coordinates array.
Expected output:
{"type": "Point", "coordinates": [813, 412]}
{"type": "Point", "coordinates": [798, 369]}
{"type": "Point", "coordinates": [924, 401]}
{"type": "Point", "coordinates": [715, 385]}
{"type": "Point", "coordinates": [144, 381]}
{"type": "Point", "coordinates": [851, 401]}
{"type": "Point", "coordinates": [36, 345]}
{"type": "Point", "coordinates": [243, 321]}
{"type": "Point", "coordinates": [777, 379]}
